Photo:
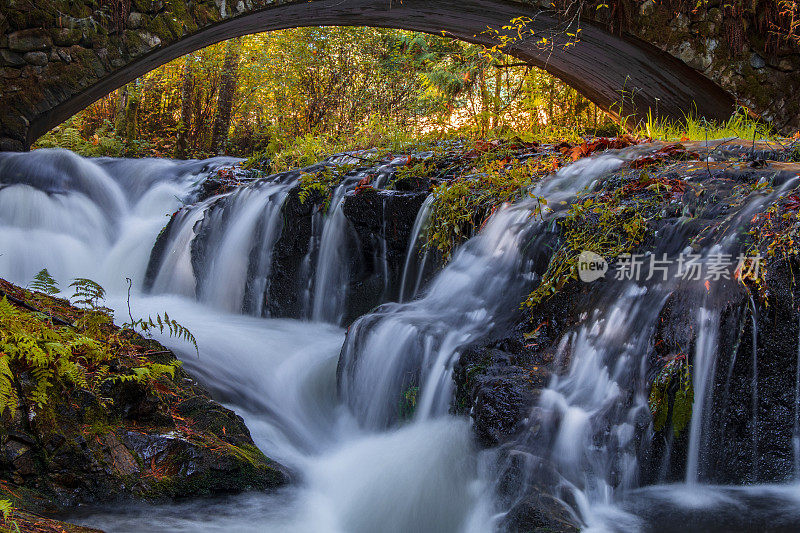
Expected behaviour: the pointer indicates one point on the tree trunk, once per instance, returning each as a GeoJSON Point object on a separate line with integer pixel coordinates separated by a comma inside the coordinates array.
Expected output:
{"type": "Point", "coordinates": [222, 121]}
{"type": "Point", "coordinates": [496, 100]}
{"type": "Point", "coordinates": [182, 141]}
{"type": "Point", "coordinates": [132, 113]}
{"type": "Point", "coordinates": [119, 117]}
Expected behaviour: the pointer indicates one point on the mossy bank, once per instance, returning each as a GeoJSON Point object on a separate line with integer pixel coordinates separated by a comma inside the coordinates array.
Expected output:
{"type": "Point", "coordinates": [123, 422]}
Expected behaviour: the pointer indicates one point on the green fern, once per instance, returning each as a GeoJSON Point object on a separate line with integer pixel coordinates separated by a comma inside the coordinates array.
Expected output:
{"type": "Point", "coordinates": [323, 183]}
{"type": "Point", "coordinates": [151, 371]}
{"type": "Point", "coordinates": [162, 324]}
{"type": "Point", "coordinates": [73, 357]}
{"type": "Point", "coordinates": [6, 508]}
{"type": "Point", "coordinates": [87, 293]}
{"type": "Point", "coordinates": [8, 393]}
{"type": "Point", "coordinates": [72, 139]}
{"type": "Point", "coordinates": [149, 324]}
{"type": "Point", "coordinates": [49, 354]}
{"type": "Point", "coordinates": [45, 283]}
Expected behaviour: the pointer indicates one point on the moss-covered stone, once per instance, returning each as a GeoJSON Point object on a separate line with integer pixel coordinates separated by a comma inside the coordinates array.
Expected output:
{"type": "Point", "coordinates": [157, 438]}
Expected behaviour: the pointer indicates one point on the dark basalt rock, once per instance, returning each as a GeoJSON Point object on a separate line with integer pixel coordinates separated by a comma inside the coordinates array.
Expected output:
{"type": "Point", "coordinates": [768, 455]}
{"type": "Point", "coordinates": [382, 221]}
{"type": "Point", "coordinates": [132, 443]}
{"type": "Point", "coordinates": [289, 277]}
{"type": "Point", "coordinates": [157, 254]}
{"type": "Point", "coordinates": [380, 224]}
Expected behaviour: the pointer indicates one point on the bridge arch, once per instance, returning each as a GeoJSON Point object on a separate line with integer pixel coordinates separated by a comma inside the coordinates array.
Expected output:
{"type": "Point", "coordinates": [52, 72]}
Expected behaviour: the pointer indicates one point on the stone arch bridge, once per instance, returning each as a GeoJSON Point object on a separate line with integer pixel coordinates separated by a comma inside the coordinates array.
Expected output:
{"type": "Point", "coordinates": [59, 56]}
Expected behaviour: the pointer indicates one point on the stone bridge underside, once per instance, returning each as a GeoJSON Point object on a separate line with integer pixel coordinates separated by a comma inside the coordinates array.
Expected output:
{"type": "Point", "coordinates": [59, 56]}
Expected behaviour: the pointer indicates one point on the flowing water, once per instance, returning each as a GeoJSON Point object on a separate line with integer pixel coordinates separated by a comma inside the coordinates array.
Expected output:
{"type": "Point", "coordinates": [360, 466]}
{"type": "Point", "coordinates": [93, 219]}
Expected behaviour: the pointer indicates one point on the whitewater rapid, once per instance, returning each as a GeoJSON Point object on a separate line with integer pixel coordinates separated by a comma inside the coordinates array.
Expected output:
{"type": "Point", "coordinates": [328, 409]}
{"type": "Point", "coordinates": [99, 219]}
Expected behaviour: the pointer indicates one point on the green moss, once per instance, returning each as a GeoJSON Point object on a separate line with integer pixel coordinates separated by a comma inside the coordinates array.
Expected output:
{"type": "Point", "coordinates": [161, 26]}
{"type": "Point", "coordinates": [204, 13]}
{"type": "Point", "coordinates": [672, 395]}
{"type": "Point", "coordinates": [322, 183]}
{"type": "Point", "coordinates": [245, 467]}
{"type": "Point", "coordinates": [182, 18]}
{"type": "Point", "coordinates": [609, 224]}
{"type": "Point", "coordinates": [460, 206]}
{"type": "Point", "coordinates": [408, 403]}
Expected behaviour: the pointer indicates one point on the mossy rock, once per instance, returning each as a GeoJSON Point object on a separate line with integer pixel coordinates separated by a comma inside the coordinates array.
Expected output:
{"type": "Point", "coordinates": [149, 436]}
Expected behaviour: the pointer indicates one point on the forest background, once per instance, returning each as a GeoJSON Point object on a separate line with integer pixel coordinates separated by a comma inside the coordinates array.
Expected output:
{"type": "Point", "coordinates": [322, 90]}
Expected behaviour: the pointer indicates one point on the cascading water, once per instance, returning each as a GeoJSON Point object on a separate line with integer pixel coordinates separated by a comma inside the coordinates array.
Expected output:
{"type": "Point", "coordinates": [704, 364]}
{"type": "Point", "coordinates": [330, 283]}
{"type": "Point", "coordinates": [796, 428]}
{"type": "Point", "coordinates": [591, 428]}
{"type": "Point", "coordinates": [360, 467]}
{"type": "Point", "coordinates": [220, 250]}
{"type": "Point", "coordinates": [331, 277]}
{"type": "Point", "coordinates": [413, 346]}
{"type": "Point", "coordinates": [410, 283]}
{"type": "Point", "coordinates": [92, 218]}
{"type": "Point", "coordinates": [279, 374]}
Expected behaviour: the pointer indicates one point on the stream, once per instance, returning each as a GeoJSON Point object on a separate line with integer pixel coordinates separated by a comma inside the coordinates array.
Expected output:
{"type": "Point", "coordinates": [359, 465]}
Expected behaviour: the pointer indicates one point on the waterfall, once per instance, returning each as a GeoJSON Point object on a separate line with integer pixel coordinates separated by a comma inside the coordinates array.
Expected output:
{"type": "Point", "coordinates": [212, 259]}
{"type": "Point", "coordinates": [101, 218]}
{"type": "Point", "coordinates": [402, 347]}
{"type": "Point", "coordinates": [333, 261]}
{"type": "Point", "coordinates": [241, 252]}
{"type": "Point", "coordinates": [702, 377]}
{"type": "Point", "coordinates": [330, 283]}
{"type": "Point", "coordinates": [754, 386]}
{"type": "Point", "coordinates": [412, 260]}
{"type": "Point", "coordinates": [84, 217]}
{"type": "Point", "coordinates": [796, 427]}
{"type": "Point", "coordinates": [589, 422]}
{"type": "Point", "coordinates": [327, 405]}
{"type": "Point", "coordinates": [174, 269]}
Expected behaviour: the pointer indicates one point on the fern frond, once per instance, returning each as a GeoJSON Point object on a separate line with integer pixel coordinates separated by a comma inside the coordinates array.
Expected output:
{"type": "Point", "coordinates": [172, 326]}
{"type": "Point", "coordinates": [45, 283]}
{"type": "Point", "coordinates": [8, 393]}
{"type": "Point", "coordinates": [87, 293]}
{"type": "Point", "coordinates": [6, 508]}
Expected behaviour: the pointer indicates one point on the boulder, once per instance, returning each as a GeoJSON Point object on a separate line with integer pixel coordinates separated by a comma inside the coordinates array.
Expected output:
{"type": "Point", "coordinates": [29, 40]}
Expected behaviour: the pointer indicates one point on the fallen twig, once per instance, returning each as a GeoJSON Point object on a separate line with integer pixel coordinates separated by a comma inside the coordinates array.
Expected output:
{"type": "Point", "coordinates": [22, 303]}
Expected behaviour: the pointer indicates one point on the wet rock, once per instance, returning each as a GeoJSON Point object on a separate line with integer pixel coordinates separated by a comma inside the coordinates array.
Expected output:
{"type": "Point", "coordinates": [525, 487]}
{"type": "Point", "coordinates": [756, 61]}
{"type": "Point", "coordinates": [289, 277]}
{"type": "Point", "coordinates": [23, 521]}
{"type": "Point", "coordinates": [36, 58]}
{"type": "Point", "coordinates": [382, 221]}
{"type": "Point", "coordinates": [497, 388]}
{"type": "Point", "coordinates": [11, 59]}
{"type": "Point", "coordinates": [135, 20]}
{"type": "Point", "coordinates": [499, 379]}
{"type": "Point", "coordinates": [67, 36]}
{"type": "Point", "coordinates": [157, 253]}
{"type": "Point", "coordinates": [379, 229]}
